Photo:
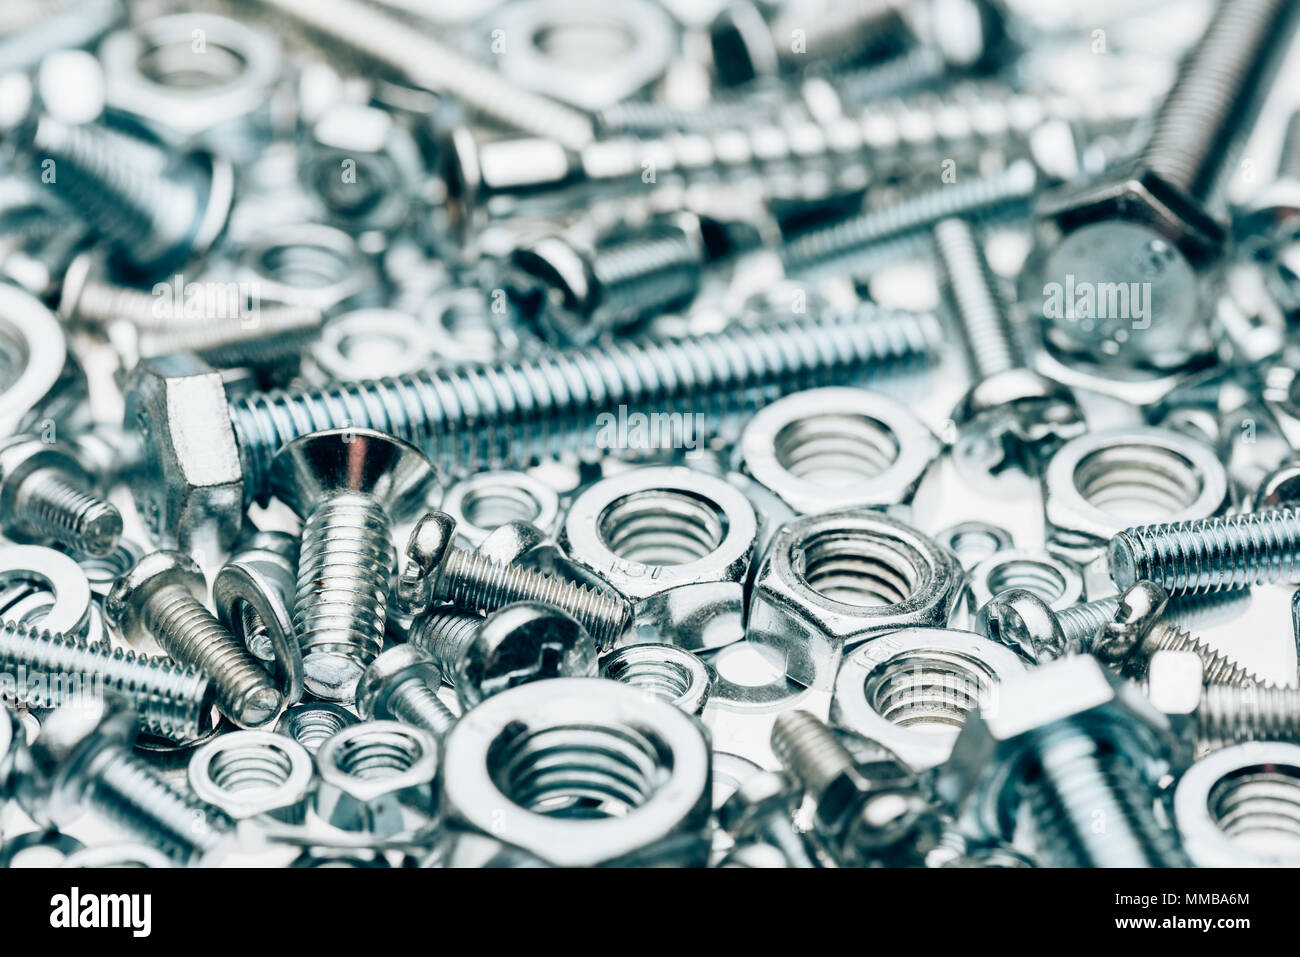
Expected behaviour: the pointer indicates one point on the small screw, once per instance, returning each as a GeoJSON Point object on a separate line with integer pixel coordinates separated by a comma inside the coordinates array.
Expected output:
{"type": "Point", "coordinates": [402, 685]}
{"type": "Point", "coordinates": [45, 493]}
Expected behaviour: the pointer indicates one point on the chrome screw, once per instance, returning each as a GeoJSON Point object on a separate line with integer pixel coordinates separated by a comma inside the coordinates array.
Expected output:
{"type": "Point", "coordinates": [761, 810]}
{"type": "Point", "coordinates": [45, 493]}
{"type": "Point", "coordinates": [162, 596]}
{"type": "Point", "coordinates": [348, 486]}
{"type": "Point", "coordinates": [402, 685]}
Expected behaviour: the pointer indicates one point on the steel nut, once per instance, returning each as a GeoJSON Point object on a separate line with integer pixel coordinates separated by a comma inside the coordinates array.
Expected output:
{"type": "Point", "coordinates": [254, 773]}
{"type": "Point", "coordinates": [377, 777]}
{"type": "Point", "coordinates": [834, 580]}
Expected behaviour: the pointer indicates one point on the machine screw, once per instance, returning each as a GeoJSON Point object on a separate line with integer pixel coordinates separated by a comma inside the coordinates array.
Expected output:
{"type": "Point", "coordinates": [161, 596]}
{"type": "Point", "coordinates": [1012, 415]}
{"type": "Point", "coordinates": [444, 635]}
{"type": "Point", "coordinates": [155, 219]}
{"type": "Point", "coordinates": [83, 759]}
{"type": "Point", "coordinates": [761, 810]}
{"type": "Point", "coordinates": [1210, 554]}
{"type": "Point", "coordinates": [861, 819]}
{"type": "Point", "coordinates": [438, 570]}
{"type": "Point", "coordinates": [348, 486]}
{"type": "Point", "coordinates": [45, 494]}
{"type": "Point", "coordinates": [402, 685]}
{"type": "Point", "coordinates": [172, 701]}
{"type": "Point", "coordinates": [1219, 715]}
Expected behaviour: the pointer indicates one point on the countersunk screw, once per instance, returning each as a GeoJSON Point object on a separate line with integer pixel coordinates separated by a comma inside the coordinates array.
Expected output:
{"type": "Point", "coordinates": [348, 486]}
{"type": "Point", "coordinates": [45, 493]}
{"type": "Point", "coordinates": [82, 759]}
{"type": "Point", "coordinates": [162, 596]}
{"type": "Point", "coordinates": [402, 685]}
{"type": "Point", "coordinates": [155, 220]}
{"type": "Point", "coordinates": [862, 820]}
{"type": "Point", "coordinates": [1210, 554]}
{"type": "Point", "coordinates": [172, 701]}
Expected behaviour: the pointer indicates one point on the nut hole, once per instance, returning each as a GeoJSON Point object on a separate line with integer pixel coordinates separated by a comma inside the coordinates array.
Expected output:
{"type": "Point", "coordinates": [1259, 808]}
{"type": "Point", "coordinates": [1138, 484]}
{"type": "Point", "coordinates": [1039, 578]}
{"type": "Point", "coordinates": [251, 768]}
{"type": "Point", "coordinates": [856, 569]}
{"type": "Point", "coordinates": [492, 505]}
{"type": "Point", "coordinates": [662, 527]}
{"type": "Point", "coordinates": [378, 754]}
{"type": "Point", "coordinates": [928, 690]}
{"type": "Point", "coordinates": [836, 451]}
{"type": "Point", "coordinates": [179, 66]}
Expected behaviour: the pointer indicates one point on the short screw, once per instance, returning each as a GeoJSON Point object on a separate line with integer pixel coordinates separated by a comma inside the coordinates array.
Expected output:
{"type": "Point", "coordinates": [402, 685]}
{"type": "Point", "coordinates": [172, 701]}
{"type": "Point", "coordinates": [162, 596]}
{"type": "Point", "coordinates": [862, 820]}
{"type": "Point", "coordinates": [83, 759]}
{"type": "Point", "coordinates": [1210, 554]}
{"type": "Point", "coordinates": [438, 570]}
{"type": "Point", "coordinates": [348, 486]}
{"type": "Point", "coordinates": [45, 493]}
{"type": "Point", "coordinates": [444, 635]}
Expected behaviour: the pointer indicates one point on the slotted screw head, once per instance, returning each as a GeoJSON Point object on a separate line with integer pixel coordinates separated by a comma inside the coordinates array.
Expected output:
{"type": "Point", "coordinates": [387, 672]}
{"type": "Point", "coordinates": [124, 606]}
{"type": "Point", "coordinates": [432, 538]}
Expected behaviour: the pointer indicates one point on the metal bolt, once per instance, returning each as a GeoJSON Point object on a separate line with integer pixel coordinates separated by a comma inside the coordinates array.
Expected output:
{"type": "Point", "coordinates": [444, 635]}
{"type": "Point", "coordinates": [162, 596]}
{"type": "Point", "coordinates": [348, 486]}
{"type": "Point", "coordinates": [402, 685]}
{"type": "Point", "coordinates": [50, 670]}
{"type": "Point", "coordinates": [862, 819]}
{"type": "Point", "coordinates": [83, 759]}
{"type": "Point", "coordinates": [45, 493]}
{"type": "Point", "coordinates": [155, 220]}
{"type": "Point", "coordinates": [1012, 415]}
{"type": "Point", "coordinates": [761, 810]}
{"type": "Point", "coordinates": [1210, 554]}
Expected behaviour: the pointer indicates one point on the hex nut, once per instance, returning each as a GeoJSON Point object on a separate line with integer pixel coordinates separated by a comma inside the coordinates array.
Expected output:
{"type": "Point", "coordinates": [377, 777]}
{"type": "Point", "coordinates": [1057, 581]}
{"type": "Point", "coordinates": [639, 794]}
{"type": "Point", "coordinates": [833, 580]}
{"type": "Point", "coordinates": [252, 774]}
{"type": "Point", "coordinates": [484, 502]}
{"type": "Point", "coordinates": [677, 542]}
{"type": "Point", "coordinates": [674, 674]}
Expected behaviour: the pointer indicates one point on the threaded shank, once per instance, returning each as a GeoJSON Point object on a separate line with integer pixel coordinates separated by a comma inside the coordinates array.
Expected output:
{"type": "Point", "coordinates": [1219, 668]}
{"type": "Point", "coordinates": [1080, 623]}
{"type": "Point", "coordinates": [345, 575]}
{"type": "Point", "coordinates": [54, 505]}
{"type": "Point", "coordinates": [49, 670]}
{"type": "Point", "coordinates": [983, 316]}
{"type": "Point", "coordinates": [475, 582]}
{"type": "Point", "coordinates": [1212, 554]}
{"type": "Point", "coordinates": [263, 335]}
{"type": "Point", "coordinates": [647, 274]}
{"type": "Point", "coordinates": [192, 635]}
{"type": "Point", "coordinates": [809, 750]}
{"type": "Point", "coordinates": [1229, 715]}
{"type": "Point", "coordinates": [415, 703]}
{"type": "Point", "coordinates": [444, 636]}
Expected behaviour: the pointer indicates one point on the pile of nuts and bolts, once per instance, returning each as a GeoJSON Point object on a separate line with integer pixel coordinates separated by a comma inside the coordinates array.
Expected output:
{"type": "Point", "coordinates": [730, 434]}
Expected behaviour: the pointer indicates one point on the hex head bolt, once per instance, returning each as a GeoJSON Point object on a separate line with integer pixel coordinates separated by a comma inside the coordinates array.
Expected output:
{"type": "Point", "coordinates": [82, 759]}
{"type": "Point", "coordinates": [1071, 745]}
{"type": "Point", "coordinates": [402, 685]}
{"type": "Point", "coordinates": [1210, 554]}
{"type": "Point", "coordinates": [163, 596]}
{"type": "Point", "coordinates": [45, 493]}
{"type": "Point", "coordinates": [1160, 220]}
{"type": "Point", "coordinates": [438, 570]}
{"type": "Point", "coordinates": [155, 221]}
{"type": "Point", "coordinates": [761, 810]}
{"type": "Point", "coordinates": [1012, 416]}
{"type": "Point", "coordinates": [348, 486]}
{"type": "Point", "coordinates": [861, 820]}
{"type": "Point", "coordinates": [172, 701]}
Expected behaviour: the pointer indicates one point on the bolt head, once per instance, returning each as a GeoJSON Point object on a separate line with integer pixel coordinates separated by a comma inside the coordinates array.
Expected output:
{"type": "Point", "coordinates": [1021, 620]}
{"type": "Point", "coordinates": [391, 669]}
{"type": "Point", "coordinates": [428, 544]}
{"type": "Point", "coordinates": [755, 798]}
{"type": "Point", "coordinates": [313, 468]}
{"type": "Point", "coordinates": [1140, 607]}
{"type": "Point", "coordinates": [124, 604]}
{"type": "Point", "coordinates": [1016, 419]}
{"type": "Point", "coordinates": [55, 764]}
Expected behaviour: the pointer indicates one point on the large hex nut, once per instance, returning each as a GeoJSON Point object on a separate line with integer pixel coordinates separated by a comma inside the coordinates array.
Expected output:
{"type": "Point", "coordinates": [377, 777]}
{"type": "Point", "coordinates": [677, 542]}
{"type": "Point", "coordinates": [831, 581]}
{"type": "Point", "coordinates": [580, 772]}
{"type": "Point", "coordinates": [192, 489]}
{"type": "Point", "coordinates": [254, 773]}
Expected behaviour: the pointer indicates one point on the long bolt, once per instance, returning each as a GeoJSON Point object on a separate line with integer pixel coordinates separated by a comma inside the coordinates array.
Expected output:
{"type": "Point", "coordinates": [1210, 554]}
{"type": "Point", "coordinates": [50, 670]}
{"type": "Point", "coordinates": [536, 407]}
{"type": "Point", "coordinates": [160, 597]}
{"type": "Point", "coordinates": [46, 493]}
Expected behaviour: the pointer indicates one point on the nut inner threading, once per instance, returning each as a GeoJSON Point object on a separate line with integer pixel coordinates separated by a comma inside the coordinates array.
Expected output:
{"type": "Point", "coordinates": [662, 527]}
{"type": "Point", "coordinates": [836, 450]}
{"type": "Point", "coordinates": [1259, 808]}
{"type": "Point", "coordinates": [928, 690]}
{"type": "Point", "coordinates": [1138, 483]}
{"type": "Point", "coordinates": [378, 754]}
{"type": "Point", "coordinates": [1040, 578]}
{"type": "Point", "coordinates": [176, 64]}
{"type": "Point", "coordinates": [491, 506]}
{"type": "Point", "coordinates": [250, 768]}
{"type": "Point", "coordinates": [858, 569]}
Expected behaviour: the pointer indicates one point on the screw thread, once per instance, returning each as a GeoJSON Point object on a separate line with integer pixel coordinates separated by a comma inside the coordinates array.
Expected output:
{"type": "Point", "coordinates": [129, 793]}
{"type": "Point", "coordinates": [1212, 554]}
{"type": "Point", "coordinates": [809, 750]}
{"type": "Point", "coordinates": [1080, 623]}
{"type": "Point", "coordinates": [858, 29]}
{"type": "Point", "coordinates": [265, 335]}
{"type": "Point", "coordinates": [1079, 780]}
{"type": "Point", "coordinates": [920, 66]}
{"type": "Point", "coordinates": [536, 407]}
{"type": "Point", "coordinates": [648, 273]}
{"type": "Point", "coordinates": [983, 317]}
{"type": "Point", "coordinates": [172, 701]}
{"type": "Point", "coordinates": [477, 583]}
{"type": "Point", "coordinates": [444, 636]}
{"type": "Point", "coordinates": [192, 635]}
{"type": "Point", "coordinates": [415, 703]}
{"type": "Point", "coordinates": [1202, 125]}
{"type": "Point", "coordinates": [345, 575]}
{"type": "Point", "coordinates": [888, 232]}
{"type": "Point", "coordinates": [1219, 668]}
{"type": "Point", "coordinates": [101, 303]}
{"type": "Point", "coordinates": [54, 505]}
{"type": "Point", "coordinates": [1230, 714]}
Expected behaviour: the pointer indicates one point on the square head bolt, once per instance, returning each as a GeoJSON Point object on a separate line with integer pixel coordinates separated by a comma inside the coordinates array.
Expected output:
{"type": "Point", "coordinates": [191, 490]}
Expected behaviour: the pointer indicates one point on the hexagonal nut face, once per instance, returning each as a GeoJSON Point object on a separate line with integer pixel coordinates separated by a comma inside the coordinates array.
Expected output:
{"type": "Point", "coordinates": [1077, 690]}
{"type": "Point", "coordinates": [191, 490]}
{"type": "Point", "coordinates": [831, 581]}
{"type": "Point", "coordinates": [653, 810]}
{"type": "Point", "coordinates": [254, 773]}
{"type": "Point", "coordinates": [377, 777]}
{"type": "Point", "coordinates": [677, 542]}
